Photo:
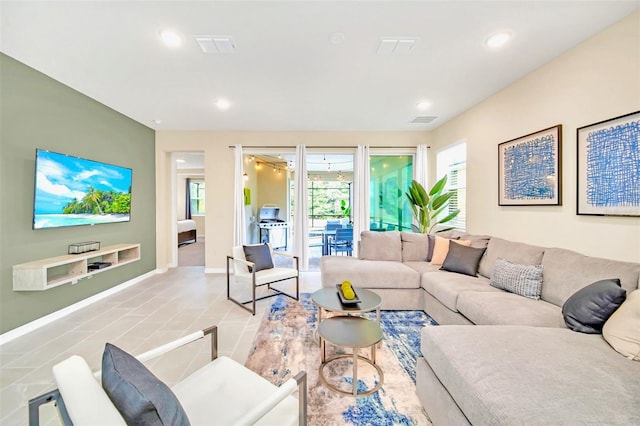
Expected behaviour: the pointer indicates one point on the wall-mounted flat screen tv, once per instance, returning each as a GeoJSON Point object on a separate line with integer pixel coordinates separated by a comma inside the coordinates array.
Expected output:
{"type": "Point", "coordinates": [71, 191]}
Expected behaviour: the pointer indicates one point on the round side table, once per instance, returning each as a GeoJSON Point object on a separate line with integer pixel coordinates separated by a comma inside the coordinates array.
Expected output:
{"type": "Point", "coordinates": [327, 299]}
{"type": "Point", "coordinates": [350, 332]}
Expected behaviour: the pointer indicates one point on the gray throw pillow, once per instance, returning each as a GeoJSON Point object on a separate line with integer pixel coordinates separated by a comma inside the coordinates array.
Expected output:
{"type": "Point", "coordinates": [590, 307]}
{"type": "Point", "coordinates": [260, 254]}
{"type": "Point", "coordinates": [525, 280]}
{"type": "Point", "coordinates": [432, 244]}
{"type": "Point", "coordinates": [138, 395]}
{"type": "Point", "coordinates": [463, 259]}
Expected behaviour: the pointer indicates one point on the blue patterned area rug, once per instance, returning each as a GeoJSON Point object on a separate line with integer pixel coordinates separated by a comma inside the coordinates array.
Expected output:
{"type": "Point", "coordinates": [286, 344]}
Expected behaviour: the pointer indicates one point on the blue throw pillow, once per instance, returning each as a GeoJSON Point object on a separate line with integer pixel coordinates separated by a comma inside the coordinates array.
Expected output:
{"type": "Point", "coordinates": [260, 254]}
{"type": "Point", "coordinates": [590, 307]}
{"type": "Point", "coordinates": [140, 397]}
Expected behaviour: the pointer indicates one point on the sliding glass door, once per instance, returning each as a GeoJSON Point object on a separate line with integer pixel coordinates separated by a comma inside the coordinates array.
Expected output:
{"type": "Point", "coordinates": [390, 177]}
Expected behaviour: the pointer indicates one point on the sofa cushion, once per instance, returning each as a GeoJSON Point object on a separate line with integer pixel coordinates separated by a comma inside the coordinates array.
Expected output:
{"type": "Point", "coordinates": [622, 329]}
{"type": "Point", "coordinates": [503, 308]}
{"type": "Point", "coordinates": [367, 273]}
{"type": "Point", "coordinates": [515, 375]}
{"type": "Point", "coordinates": [139, 396]}
{"type": "Point", "coordinates": [446, 286]}
{"type": "Point", "coordinates": [524, 254]}
{"type": "Point", "coordinates": [590, 307]}
{"type": "Point", "coordinates": [207, 393]}
{"type": "Point", "coordinates": [524, 280]}
{"type": "Point", "coordinates": [462, 259]}
{"type": "Point", "coordinates": [477, 241]}
{"type": "Point", "coordinates": [380, 246]}
{"type": "Point", "coordinates": [422, 267]}
{"type": "Point", "coordinates": [415, 246]}
{"type": "Point", "coordinates": [566, 272]}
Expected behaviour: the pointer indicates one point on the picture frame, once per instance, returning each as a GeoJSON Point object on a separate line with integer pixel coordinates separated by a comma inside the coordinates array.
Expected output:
{"type": "Point", "coordinates": [608, 181]}
{"type": "Point", "coordinates": [530, 169]}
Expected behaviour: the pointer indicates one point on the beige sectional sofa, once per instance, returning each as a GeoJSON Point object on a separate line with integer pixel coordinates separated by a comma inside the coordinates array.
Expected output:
{"type": "Point", "coordinates": [501, 358]}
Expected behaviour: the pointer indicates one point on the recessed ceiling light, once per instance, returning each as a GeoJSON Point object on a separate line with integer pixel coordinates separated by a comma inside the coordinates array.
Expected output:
{"type": "Point", "coordinates": [156, 121]}
{"type": "Point", "coordinates": [223, 104]}
{"type": "Point", "coordinates": [171, 38]}
{"type": "Point", "coordinates": [423, 105]}
{"type": "Point", "coordinates": [497, 40]}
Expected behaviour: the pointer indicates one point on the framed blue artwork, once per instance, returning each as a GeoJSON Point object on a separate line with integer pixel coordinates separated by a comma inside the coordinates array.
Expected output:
{"type": "Point", "coordinates": [530, 169]}
{"type": "Point", "coordinates": [609, 167]}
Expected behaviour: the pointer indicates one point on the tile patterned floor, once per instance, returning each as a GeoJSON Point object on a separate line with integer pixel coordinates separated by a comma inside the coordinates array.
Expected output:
{"type": "Point", "coordinates": [154, 311]}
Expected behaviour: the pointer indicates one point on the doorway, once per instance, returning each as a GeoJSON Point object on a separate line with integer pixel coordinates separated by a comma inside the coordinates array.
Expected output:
{"type": "Point", "coordinates": [329, 201]}
{"type": "Point", "coordinates": [190, 208]}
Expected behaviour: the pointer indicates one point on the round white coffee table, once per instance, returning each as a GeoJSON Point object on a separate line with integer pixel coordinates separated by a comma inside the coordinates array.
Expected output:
{"type": "Point", "coordinates": [350, 332]}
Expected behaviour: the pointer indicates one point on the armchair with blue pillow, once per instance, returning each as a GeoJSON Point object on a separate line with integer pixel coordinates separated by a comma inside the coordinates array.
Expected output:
{"type": "Point", "coordinates": [125, 392]}
{"type": "Point", "coordinates": [252, 267]}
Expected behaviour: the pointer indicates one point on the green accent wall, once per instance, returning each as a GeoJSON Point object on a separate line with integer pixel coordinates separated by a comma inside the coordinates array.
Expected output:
{"type": "Point", "coordinates": [39, 112]}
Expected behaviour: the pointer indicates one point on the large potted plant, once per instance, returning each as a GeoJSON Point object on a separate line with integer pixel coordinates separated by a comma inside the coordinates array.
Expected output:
{"type": "Point", "coordinates": [427, 207]}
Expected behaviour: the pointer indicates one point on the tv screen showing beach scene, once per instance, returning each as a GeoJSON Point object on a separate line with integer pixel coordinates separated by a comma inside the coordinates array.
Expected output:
{"type": "Point", "coordinates": [72, 191]}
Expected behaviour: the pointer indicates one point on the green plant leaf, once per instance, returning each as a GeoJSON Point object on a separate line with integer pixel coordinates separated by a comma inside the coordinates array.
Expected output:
{"type": "Point", "coordinates": [418, 193]}
{"type": "Point", "coordinates": [450, 216]}
{"type": "Point", "coordinates": [439, 186]}
{"type": "Point", "coordinates": [412, 197]}
{"type": "Point", "coordinates": [443, 229]}
{"type": "Point", "coordinates": [435, 213]}
{"type": "Point", "coordinates": [441, 200]}
{"type": "Point", "coordinates": [424, 198]}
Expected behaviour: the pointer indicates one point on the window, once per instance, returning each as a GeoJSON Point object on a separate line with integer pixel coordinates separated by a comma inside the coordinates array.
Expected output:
{"type": "Point", "coordinates": [196, 193]}
{"type": "Point", "coordinates": [325, 200]}
{"type": "Point", "coordinates": [390, 177]}
{"type": "Point", "coordinates": [453, 163]}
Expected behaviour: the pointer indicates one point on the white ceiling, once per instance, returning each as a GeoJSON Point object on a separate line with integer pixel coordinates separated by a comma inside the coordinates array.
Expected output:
{"type": "Point", "coordinates": [285, 74]}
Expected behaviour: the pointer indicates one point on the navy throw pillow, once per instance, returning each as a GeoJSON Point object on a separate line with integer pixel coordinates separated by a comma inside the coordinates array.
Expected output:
{"type": "Point", "coordinates": [140, 397]}
{"type": "Point", "coordinates": [590, 307]}
{"type": "Point", "coordinates": [260, 254]}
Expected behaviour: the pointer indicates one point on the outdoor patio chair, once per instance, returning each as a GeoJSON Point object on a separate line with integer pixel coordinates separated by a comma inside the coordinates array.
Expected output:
{"type": "Point", "coordinates": [342, 242]}
{"type": "Point", "coordinates": [223, 392]}
{"type": "Point", "coordinates": [330, 226]}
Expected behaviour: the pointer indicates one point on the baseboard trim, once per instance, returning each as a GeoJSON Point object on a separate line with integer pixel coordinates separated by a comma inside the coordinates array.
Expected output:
{"type": "Point", "coordinates": [42, 321]}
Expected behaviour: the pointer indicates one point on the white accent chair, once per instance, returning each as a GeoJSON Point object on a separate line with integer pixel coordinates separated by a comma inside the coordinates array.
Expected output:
{"type": "Point", "coordinates": [223, 392]}
{"type": "Point", "coordinates": [238, 274]}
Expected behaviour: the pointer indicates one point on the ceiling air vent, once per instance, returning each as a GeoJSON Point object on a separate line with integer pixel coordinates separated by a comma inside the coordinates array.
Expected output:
{"type": "Point", "coordinates": [424, 119]}
{"type": "Point", "coordinates": [215, 43]}
{"type": "Point", "coordinates": [396, 45]}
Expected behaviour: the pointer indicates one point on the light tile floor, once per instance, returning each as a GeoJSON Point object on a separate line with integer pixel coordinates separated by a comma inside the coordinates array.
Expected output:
{"type": "Point", "coordinates": [143, 316]}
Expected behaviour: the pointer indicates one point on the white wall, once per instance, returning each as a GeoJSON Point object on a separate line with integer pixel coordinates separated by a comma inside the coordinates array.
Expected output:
{"type": "Point", "coordinates": [219, 171]}
{"type": "Point", "coordinates": [597, 80]}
